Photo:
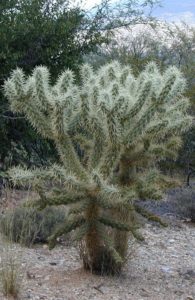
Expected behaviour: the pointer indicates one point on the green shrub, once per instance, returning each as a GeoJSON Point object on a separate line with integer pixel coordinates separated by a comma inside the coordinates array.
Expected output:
{"type": "Point", "coordinates": [28, 226]}
{"type": "Point", "coordinates": [184, 202]}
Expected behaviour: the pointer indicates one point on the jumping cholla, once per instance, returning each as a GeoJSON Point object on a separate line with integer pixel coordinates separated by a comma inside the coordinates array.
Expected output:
{"type": "Point", "coordinates": [110, 131]}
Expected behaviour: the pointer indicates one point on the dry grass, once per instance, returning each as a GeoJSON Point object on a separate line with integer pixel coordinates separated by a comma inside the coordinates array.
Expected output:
{"type": "Point", "coordinates": [28, 225]}
{"type": "Point", "coordinates": [10, 273]}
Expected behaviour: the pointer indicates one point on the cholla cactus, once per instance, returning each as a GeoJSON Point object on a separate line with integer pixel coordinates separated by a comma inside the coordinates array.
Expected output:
{"type": "Point", "coordinates": [109, 132]}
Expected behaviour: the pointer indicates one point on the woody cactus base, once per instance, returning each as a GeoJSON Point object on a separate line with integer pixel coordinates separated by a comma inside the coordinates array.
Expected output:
{"type": "Point", "coordinates": [110, 131]}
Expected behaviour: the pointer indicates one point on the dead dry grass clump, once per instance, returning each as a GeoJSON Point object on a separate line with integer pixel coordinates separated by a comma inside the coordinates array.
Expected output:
{"type": "Point", "coordinates": [28, 226]}
{"type": "Point", "coordinates": [184, 202]}
{"type": "Point", "coordinates": [10, 273]}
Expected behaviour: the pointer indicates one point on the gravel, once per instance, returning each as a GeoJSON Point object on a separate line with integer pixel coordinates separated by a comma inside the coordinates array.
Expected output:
{"type": "Point", "coordinates": [162, 267]}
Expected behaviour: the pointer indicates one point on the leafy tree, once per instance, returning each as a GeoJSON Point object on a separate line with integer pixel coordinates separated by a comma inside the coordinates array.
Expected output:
{"type": "Point", "coordinates": [119, 122]}
{"type": "Point", "coordinates": [33, 33]}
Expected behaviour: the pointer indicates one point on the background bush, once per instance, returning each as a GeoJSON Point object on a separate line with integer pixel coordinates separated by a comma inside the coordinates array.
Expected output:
{"type": "Point", "coordinates": [184, 202]}
{"type": "Point", "coordinates": [28, 226]}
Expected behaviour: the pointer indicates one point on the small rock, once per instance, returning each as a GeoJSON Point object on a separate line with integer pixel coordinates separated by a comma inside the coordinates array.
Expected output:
{"type": "Point", "coordinates": [30, 275]}
{"type": "Point", "coordinates": [171, 241]}
{"type": "Point", "coordinates": [53, 263]}
{"type": "Point", "coordinates": [41, 258]}
{"type": "Point", "coordinates": [144, 293]}
{"type": "Point", "coordinates": [189, 274]}
{"type": "Point", "coordinates": [178, 293]}
{"type": "Point", "coordinates": [47, 277]}
{"type": "Point", "coordinates": [166, 269]}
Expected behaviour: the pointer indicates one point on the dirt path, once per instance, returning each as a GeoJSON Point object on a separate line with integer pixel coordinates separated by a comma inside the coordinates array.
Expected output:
{"type": "Point", "coordinates": [162, 268]}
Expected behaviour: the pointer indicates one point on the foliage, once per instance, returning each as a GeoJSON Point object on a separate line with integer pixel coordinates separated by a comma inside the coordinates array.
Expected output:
{"type": "Point", "coordinates": [34, 33]}
{"type": "Point", "coordinates": [27, 226]}
{"type": "Point", "coordinates": [111, 18]}
{"type": "Point", "coordinates": [110, 121]}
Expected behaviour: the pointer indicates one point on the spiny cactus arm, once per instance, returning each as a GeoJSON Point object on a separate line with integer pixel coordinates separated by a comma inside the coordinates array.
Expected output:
{"type": "Point", "coordinates": [152, 185]}
{"type": "Point", "coordinates": [113, 223]}
{"type": "Point", "coordinates": [125, 73]}
{"type": "Point", "coordinates": [85, 108]}
{"type": "Point", "coordinates": [41, 87]}
{"type": "Point", "coordinates": [129, 194]}
{"type": "Point", "coordinates": [160, 152]}
{"type": "Point", "coordinates": [121, 107]}
{"type": "Point", "coordinates": [149, 190]}
{"type": "Point", "coordinates": [109, 161]}
{"type": "Point", "coordinates": [69, 157]}
{"type": "Point", "coordinates": [58, 122]}
{"type": "Point", "coordinates": [58, 174]}
{"type": "Point", "coordinates": [55, 173]}
{"type": "Point", "coordinates": [149, 215]}
{"type": "Point", "coordinates": [154, 130]}
{"type": "Point", "coordinates": [94, 94]}
{"type": "Point", "coordinates": [146, 126]}
{"type": "Point", "coordinates": [157, 104]}
{"type": "Point", "coordinates": [174, 143]}
{"type": "Point", "coordinates": [112, 151]}
{"type": "Point", "coordinates": [151, 68]}
{"type": "Point", "coordinates": [169, 126]}
{"type": "Point", "coordinates": [23, 177]}
{"type": "Point", "coordinates": [74, 125]}
{"type": "Point", "coordinates": [50, 200]}
{"type": "Point", "coordinates": [22, 99]}
{"type": "Point", "coordinates": [133, 154]}
{"type": "Point", "coordinates": [82, 131]}
{"type": "Point", "coordinates": [81, 232]}
{"type": "Point", "coordinates": [86, 73]}
{"type": "Point", "coordinates": [174, 85]}
{"type": "Point", "coordinates": [143, 97]}
{"type": "Point", "coordinates": [109, 197]}
{"type": "Point", "coordinates": [37, 119]}
{"type": "Point", "coordinates": [114, 128]}
{"type": "Point", "coordinates": [108, 203]}
{"type": "Point", "coordinates": [178, 126]}
{"type": "Point", "coordinates": [140, 126]}
{"type": "Point", "coordinates": [64, 144]}
{"type": "Point", "coordinates": [165, 92]}
{"type": "Point", "coordinates": [71, 224]}
{"type": "Point", "coordinates": [14, 86]}
{"type": "Point", "coordinates": [80, 207]}
{"type": "Point", "coordinates": [99, 142]}
{"type": "Point", "coordinates": [166, 182]}
{"type": "Point", "coordinates": [109, 73]}
{"type": "Point", "coordinates": [137, 235]}
{"type": "Point", "coordinates": [104, 203]}
{"type": "Point", "coordinates": [106, 190]}
{"type": "Point", "coordinates": [167, 148]}
{"type": "Point", "coordinates": [64, 83]}
{"type": "Point", "coordinates": [83, 141]}
{"type": "Point", "coordinates": [181, 105]}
